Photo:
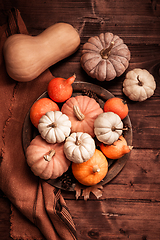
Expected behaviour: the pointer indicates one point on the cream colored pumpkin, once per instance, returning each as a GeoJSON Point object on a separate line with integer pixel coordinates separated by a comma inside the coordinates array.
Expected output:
{"type": "Point", "coordinates": [79, 147]}
{"type": "Point", "coordinates": [46, 160]}
{"type": "Point", "coordinates": [108, 127]}
{"type": "Point", "coordinates": [54, 126]}
{"type": "Point", "coordinates": [139, 85]}
{"type": "Point", "coordinates": [26, 57]}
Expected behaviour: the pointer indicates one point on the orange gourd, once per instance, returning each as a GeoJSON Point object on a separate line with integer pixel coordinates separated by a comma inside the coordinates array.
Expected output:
{"type": "Point", "coordinates": [92, 171]}
{"type": "Point", "coordinates": [116, 150]}
{"type": "Point", "coordinates": [60, 89]}
{"type": "Point", "coordinates": [82, 112]}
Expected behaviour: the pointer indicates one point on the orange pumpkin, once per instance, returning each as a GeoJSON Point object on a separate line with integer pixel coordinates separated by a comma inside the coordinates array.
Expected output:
{"type": "Point", "coordinates": [116, 150]}
{"type": "Point", "coordinates": [60, 89]}
{"type": "Point", "coordinates": [46, 160]}
{"type": "Point", "coordinates": [82, 112]}
{"type": "Point", "coordinates": [92, 171]}
{"type": "Point", "coordinates": [40, 108]}
{"type": "Point", "coordinates": [116, 105]}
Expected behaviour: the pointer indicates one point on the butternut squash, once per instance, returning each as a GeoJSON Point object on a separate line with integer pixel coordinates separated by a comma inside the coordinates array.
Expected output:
{"type": "Point", "coordinates": [26, 57]}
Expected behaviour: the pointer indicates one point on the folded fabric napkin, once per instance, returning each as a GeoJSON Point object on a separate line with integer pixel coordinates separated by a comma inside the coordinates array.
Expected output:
{"type": "Point", "coordinates": [38, 209]}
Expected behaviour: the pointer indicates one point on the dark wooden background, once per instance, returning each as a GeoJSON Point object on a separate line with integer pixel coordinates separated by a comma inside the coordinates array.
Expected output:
{"type": "Point", "coordinates": [130, 205]}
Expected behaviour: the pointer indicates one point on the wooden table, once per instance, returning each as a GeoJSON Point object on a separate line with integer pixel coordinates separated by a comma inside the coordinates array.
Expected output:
{"type": "Point", "coordinates": [130, 205]}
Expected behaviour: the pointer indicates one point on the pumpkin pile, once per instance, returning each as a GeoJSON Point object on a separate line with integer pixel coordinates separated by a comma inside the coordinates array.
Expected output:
{"type": "Point", "coordinates": [71, 129]}
{"type": "Point", "coordinates": [79, 134]}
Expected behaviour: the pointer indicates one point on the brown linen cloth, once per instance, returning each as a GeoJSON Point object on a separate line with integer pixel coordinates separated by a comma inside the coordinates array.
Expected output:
{"type": "Point", "coordinates": [38, 209]}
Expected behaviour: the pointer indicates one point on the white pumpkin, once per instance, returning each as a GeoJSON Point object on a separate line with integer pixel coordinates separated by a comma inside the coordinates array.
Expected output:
{"type": "Point", "coordinates": [79, 147]}
{"type": "Point", "coordinates": [139, 85]}
{"type": "Point", "coordinates": [54, 126]}
{"type": "Point", "coordinates": [108, 126]}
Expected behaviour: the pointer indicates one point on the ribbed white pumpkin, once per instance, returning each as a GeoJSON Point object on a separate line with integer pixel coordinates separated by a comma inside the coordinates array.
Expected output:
{"type": "Point", "coordinates": [54, 126]}
{"type": "Point", "coordinates": [139, 85]}
{"type": "Point", "coordinates": [108, 127]}
{"type": "Point", "coordinates": [79, 147]}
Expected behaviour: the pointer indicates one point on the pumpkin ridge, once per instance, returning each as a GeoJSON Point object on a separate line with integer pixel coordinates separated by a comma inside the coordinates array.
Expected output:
{"type": "Point", "coordinates": [39, 160]}
{"type": "Point", "coordinates": [118, 70]}
{"type": "Point", "coordinates": [92, 112]}
{"type": "Point", "coordinates": [96, 38]}
{"type": "Point", "coordinates": [87, 125]}
{"type": "Point", "coordinates": [125, 66]}
{"type": "Point", "coordinates": [58, 132]}
{"type": "Point", "coordinates": [123, 52]}
{"type": "Point", "coordinates": [91, 105]}
{"type": "Point", "coordinates": [121, 56]}
{"type": "Point", "coordinates": [109, 70]}
{"type": "Point", "coordinates": [121, 46]}
{"type": "Point", "coordinates": [45, 169]}
{"type": "Point", "coordinates": [83, 102]}
{"type": "Point", "coordinates": [90, 60]}
{"type": "Point", "coordinates": [102, 40]}
{"type": "Point", "coordinates": [119, 40]}
{"type": "Point", "coordinates": [98, 49]}
{"type": "Point", "coordinates": [94, 67]}
{"type": "Point", "coordinates": [108, 36]}
{"type": "Point", "coordinates": [87, 50]}
{"type": "Point", "coordinates": [88, 122]}
{"type": "Point", "coordinates": [111, 65]}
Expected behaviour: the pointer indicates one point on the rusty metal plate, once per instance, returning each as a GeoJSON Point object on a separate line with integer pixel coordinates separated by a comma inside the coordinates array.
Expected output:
{"type": "Point", "coordinates": [67, 180]}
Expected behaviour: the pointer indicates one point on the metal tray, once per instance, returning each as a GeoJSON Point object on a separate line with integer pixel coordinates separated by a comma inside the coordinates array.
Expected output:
{"type": "Point", "coordinates": [67, 180]}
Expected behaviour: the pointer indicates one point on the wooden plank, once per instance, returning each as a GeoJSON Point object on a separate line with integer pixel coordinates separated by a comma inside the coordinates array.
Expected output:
{"type": "Point", "coordinates": [138, 180]}
{"type": "Point", "coordinates": [136, 24]}
{"type": "Point", "coordinates": [129, 207]}
{"type": "Point", "coordinates": [113, 219]}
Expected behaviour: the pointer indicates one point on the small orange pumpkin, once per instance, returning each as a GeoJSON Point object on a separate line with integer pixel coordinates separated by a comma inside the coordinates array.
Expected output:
{"type": "Point", "coordinates": [82, 112]}
{"type": "Point", "coordinates": [92, 171]}
{"type": "Point", "coordinates": [116, 150]}
{"type": "Point", "coordinates": [116, 105]}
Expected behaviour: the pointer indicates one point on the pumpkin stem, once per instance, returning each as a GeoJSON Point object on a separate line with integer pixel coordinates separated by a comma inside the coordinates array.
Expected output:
{"type": "Point", "coordinates": [96, 169]}
{"type": "Point", "coordinates": [78, 141]}
{"type": "Point", "coordinates": [139, 81]}
{"type": "Point", "coordinates": [53, 125]}
{"type": "Point", "coordinates": [130, 147]}
{"type": "Point", "coordinates": [48, 157]}
{"type": "Point", "coordinates": [71, 79]}
{"type": "Point", "coordinates": [123, 129]}
{"type": "Point", "coordinates": [106, 51]}
{"type": "Point", "coordinates": [80, 116]}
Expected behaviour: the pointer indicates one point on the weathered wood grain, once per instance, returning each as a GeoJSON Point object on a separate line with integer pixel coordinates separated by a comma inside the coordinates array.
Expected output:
{"type": "Point", "coordinates": [129, 207]}
{"type": "Point", "coordinates": [114, 219]}
{"type": "Point", "coordinates": [139, 179]}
